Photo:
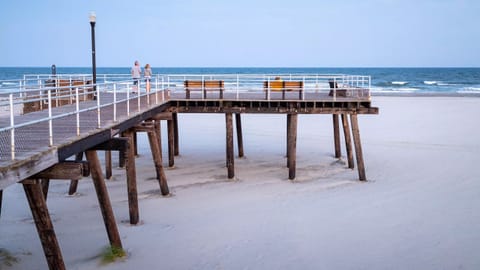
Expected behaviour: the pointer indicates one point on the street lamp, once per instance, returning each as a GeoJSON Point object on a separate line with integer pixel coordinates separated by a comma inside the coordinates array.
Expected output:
{"type": "Point", "coordinates": [93, 18]}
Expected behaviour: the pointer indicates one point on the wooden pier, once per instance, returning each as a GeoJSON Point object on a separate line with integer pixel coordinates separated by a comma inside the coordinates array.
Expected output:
{"type": "Point", "coordinates": [112, 123]}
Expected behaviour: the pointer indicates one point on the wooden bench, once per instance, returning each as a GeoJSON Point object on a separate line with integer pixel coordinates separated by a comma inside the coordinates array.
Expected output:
{"type": "Point", "coordinates": [204, 86]}
{"type": "Point", "coordinates": [63, 96]}
{"type": "Point", "coordinates": [283, 86]}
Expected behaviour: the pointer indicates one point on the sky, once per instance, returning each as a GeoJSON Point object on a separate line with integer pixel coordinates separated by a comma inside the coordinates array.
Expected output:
{"type": "Point", "coordinates": [246, 33]}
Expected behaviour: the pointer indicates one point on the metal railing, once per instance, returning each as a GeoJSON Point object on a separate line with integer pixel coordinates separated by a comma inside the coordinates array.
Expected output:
{"type": "Point", "coordinates": [25, 97]}
{"type": "Point", "coordinates": [46, 92]}
{"type": "Point", "coordinates": [353, 86]}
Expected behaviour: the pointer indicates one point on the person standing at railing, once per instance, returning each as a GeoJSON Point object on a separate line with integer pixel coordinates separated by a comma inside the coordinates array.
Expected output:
{"type": "Point", "coordinates": [147, 73]}
{"type": "Point", "coordinates": [136, 75]}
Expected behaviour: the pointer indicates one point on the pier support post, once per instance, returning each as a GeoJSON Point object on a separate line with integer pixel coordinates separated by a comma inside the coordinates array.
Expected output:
{"type": "Point", "coordinates": [38, 206]}
{"type": "Point", "coordinates": [336, 136]}
{"type": "Point", "coordinates": [103, 198]}
{"type": "Point", "coordinates": [238, 122]}
{"type": "Point", "coordinates": [348, 140]}
{"type": "Point", "coordinates": [358, 147]}
{"type": "Point", "coordinates": [131, 178]}
{"type": "Point", "coordinates": [74, 182]}
{"type": "Point", "coordinates": [171, 143]}
{"type": "Point", "coordinates": [292, 145]}
{"type": "Point", "coordinates": [175, 132]}
{"type": "Point", "coordinates": [45, 185]}
{"type": "Point", "coordinates": [157, 160]}
{"type": "Point", "coordinates": [229, 142]}
{"type": "Point", "coordinates": [108, 164]}
{"type": "Point", "coordinates": [289, 120]}
{"type": "Point", "coordinates": [1, 199]}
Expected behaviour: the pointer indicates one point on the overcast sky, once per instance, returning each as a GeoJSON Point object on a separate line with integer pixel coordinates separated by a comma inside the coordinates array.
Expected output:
{"type": "Point", "coordinates": [242, 33]}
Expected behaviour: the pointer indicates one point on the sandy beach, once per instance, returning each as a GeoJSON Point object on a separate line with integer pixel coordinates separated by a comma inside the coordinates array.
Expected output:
{"type": "Point", "coordinates": [419, 209]}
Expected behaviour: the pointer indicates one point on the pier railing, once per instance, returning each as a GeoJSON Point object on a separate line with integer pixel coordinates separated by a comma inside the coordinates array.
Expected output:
{"type": "Point", "coordinates": [75, 93]}
{"type": "Point", "coordinates": [33, 105]}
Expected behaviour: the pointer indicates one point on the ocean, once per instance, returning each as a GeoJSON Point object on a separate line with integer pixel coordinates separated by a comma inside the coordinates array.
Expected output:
{"type": "Point", "coordinates": [392, 81]}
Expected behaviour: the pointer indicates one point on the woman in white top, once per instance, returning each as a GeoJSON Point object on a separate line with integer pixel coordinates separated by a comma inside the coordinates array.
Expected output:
{"type": "Point", "coordinates": [148, 76]}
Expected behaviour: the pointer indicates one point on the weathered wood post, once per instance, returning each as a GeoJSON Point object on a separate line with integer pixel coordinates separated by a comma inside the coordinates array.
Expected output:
{"type": "Point", "coordinates": [45, 185]}
{"type": "Point", "coordinates": [175, 132]}
{"type": "Point", "coordinates": [74, 182]}
{"type": "Point", "coordinates": [348, 140]}
{"type": "Point", "coordinates": [171, 143]}
{"type": "Point", "coordinates": [131, 177]}
{"type": "Point", "coordinates": [229, 142]}
{"type": "Point", "coordinates": [157, 159]}
{"type": "Point", "coordinates": [238, 122]}
{"type": "Point", "coordinates": [38, 206]}
{"type": "Point", "coordinates": [336, 136]}
{"type": "Point", "coordinates": [1, 198]}
{"type": "Point", "coordinates": [122, 155]}
{"type": "Point", "coordinates": [358, 147]}
{"type": "Point", "coordinates": [289, 122]}
{"type": "Point", "coordinates": [292, 146]}
{"type": "Point", "coordinates": [103, 198]}
{"type": "Point", "coordinates": [108, 164]}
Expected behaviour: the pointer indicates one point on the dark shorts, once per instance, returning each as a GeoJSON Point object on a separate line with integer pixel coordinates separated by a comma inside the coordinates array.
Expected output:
{"type": "Point", "coordinates": [135, 81]}
{"type": "Point", "coordinates": [148, 79]}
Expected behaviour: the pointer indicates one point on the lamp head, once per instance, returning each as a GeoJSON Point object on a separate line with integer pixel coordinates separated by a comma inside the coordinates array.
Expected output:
{"type": "Point", "coordinates": [93, 17]}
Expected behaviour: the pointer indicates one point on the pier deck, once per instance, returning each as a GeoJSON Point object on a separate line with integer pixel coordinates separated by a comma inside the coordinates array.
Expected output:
{"type": "Point", "coordinates": [46, 138]}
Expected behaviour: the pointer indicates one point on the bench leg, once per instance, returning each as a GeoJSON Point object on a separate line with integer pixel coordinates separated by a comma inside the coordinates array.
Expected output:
{"type": "Point", "coordinates": [300, 94]}
{"type": "Point", "coordinates": [283, 94]}
{"type": "Point", "coordinates": [221, 94]}
{"type": "Point", "coordinates": [187, 95]}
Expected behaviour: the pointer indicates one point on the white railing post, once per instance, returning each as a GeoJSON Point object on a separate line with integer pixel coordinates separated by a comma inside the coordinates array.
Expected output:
{"type": "Point", "coordinates": [12, 126]}
{"type": "Point", "coordinates": [138, 98]}
{"type": "Point", "coordinates": [50, 121]}
{"type": "Point", "coordinates": [268, 88]}
{"type": "Point", "coordinates": [99, 124]}
{"type": "Point", "coordinates": [77, 105]}
{"type": "Point", "coordinates": [128, 99]}
{"type": "Point", "coordinates": [203, 87]}
{"type": "Point", "coordinates": [304, 88]}
{"type": "Point", "coordinates": [156, 89]}
{"type": "Point", "coordinates": [238, 85]}
{"type": "Point", "coordinates": [115, 102]}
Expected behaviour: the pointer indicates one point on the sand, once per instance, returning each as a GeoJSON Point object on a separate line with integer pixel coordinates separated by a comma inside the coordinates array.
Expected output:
{"type": "Point", "coordinates": [419, 209]}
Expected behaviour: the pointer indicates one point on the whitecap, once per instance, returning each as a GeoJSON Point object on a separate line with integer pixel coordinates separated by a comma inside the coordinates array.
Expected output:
{"type": "Point", "coordinates": [399, 83]}
{"type": "Point", "coordinates": [430, 82]}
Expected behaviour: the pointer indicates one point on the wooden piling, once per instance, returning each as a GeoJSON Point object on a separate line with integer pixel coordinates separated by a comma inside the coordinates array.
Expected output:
{"type": "Point", "coordinates": [229, 144]}
{"type": "Point", "coordinates": [238, 122]}
{"type": "Point", "coordinates": [157, 160]}
{"type": "Point", "coordinates": [1, 199]}
{"type": "Point", "coordinates": [292, 146]}
{"type": "Point", "coordinates": [108, 164]}
{"type": "Point", "coordinates": [348, 140]}
{"type": "Point", "coordinates": [171, 143]}
{"type": "Point", "coordinates": [74, 182]}
{"type": "Point", "coordinates": [336, 136]}
{"type": "Point", "coordinates": [103, 198]}
{"type": "Point", "coordinates": [122, 155]}
{"type": "Point", "coordinates": [38, 206]}
{"type": "Point", "coordinates": [45, 185]}
{"type": "Point", "coordinates": [358, 147]}
{"type": "Point", "coordinates": [131, 177]}
{"type": "Point", "coordinates": [289, 121]}
{"type": "Point", "coordinates": [175, 132]}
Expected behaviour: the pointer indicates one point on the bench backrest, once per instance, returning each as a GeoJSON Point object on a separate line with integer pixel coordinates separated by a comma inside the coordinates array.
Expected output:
{"type": "Point", "coordinates": [207, 85]}
{"type": "Point", "coordinates": [283, 85]}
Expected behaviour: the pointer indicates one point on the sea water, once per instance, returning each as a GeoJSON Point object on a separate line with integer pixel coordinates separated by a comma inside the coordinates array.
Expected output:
{"type": "Point", "coordinates": [450, 81]}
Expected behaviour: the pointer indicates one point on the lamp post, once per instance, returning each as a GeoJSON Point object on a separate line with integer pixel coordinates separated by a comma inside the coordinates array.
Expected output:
{"type": "Point", "coordinates": [93, 18]}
